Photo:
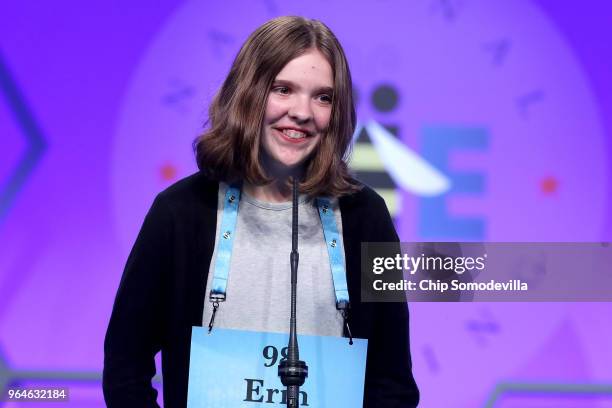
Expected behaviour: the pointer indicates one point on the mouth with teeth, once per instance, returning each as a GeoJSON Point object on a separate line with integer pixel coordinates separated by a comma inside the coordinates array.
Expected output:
{"type": "Point", "coordinates": [292, 135]}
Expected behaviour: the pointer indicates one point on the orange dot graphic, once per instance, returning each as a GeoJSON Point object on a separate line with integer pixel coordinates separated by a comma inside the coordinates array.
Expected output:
{"type": "Point", "coordinates": [168, 172]}
{"type": "Point", "coordinates": [549, 185]}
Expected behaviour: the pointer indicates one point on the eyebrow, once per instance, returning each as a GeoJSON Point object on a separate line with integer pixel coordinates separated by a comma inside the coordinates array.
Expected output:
{"type": "Point", "coordinates": [290, 84]}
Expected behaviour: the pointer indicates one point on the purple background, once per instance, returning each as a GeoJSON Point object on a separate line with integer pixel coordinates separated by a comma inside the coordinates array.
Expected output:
{"type": "Point", "coordinates": [72, 102]}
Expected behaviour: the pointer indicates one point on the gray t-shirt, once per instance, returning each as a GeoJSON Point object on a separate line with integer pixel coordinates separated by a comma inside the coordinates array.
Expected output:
{"type": "Point", "coordinates": [259, 284]}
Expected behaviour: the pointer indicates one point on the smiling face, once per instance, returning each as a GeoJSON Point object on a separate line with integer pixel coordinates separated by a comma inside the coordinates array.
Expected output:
{"type": "Point", "coordinates": [298, 109]}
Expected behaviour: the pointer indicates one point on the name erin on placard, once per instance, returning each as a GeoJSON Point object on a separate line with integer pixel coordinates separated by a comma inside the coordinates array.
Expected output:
{"type": "Point", "coordinates": [255, 392]}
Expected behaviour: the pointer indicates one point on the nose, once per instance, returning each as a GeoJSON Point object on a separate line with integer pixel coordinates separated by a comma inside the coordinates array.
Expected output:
{"type": "Point", "coordinates": [300, 110]}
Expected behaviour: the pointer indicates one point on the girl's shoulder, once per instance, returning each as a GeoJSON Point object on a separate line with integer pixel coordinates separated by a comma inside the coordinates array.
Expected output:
{"type": "Point", "coordinates": [195, 190]}
{"type": "Point", "coordinates": [365, 199]}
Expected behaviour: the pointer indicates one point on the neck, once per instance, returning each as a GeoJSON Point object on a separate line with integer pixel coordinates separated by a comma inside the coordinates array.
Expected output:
{"type": "Point", "coordinates": [279, 191]}
{"type": "Point", "coordinates": [275, 192]}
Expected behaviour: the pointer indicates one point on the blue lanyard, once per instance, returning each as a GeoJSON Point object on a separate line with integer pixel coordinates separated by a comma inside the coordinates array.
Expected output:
{"type": "Point", "coordinates": [225, 241]}
{"type": "Point", "coordinates": [333, 242]}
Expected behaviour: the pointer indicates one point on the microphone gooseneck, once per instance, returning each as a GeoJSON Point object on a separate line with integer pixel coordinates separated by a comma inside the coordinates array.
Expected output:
{"type": "Point", "coordinates": [293, 371]}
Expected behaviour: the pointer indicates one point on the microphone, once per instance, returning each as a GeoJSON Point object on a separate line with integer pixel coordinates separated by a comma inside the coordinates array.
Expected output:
{"type": "Point", "coordinates": [292, 371]}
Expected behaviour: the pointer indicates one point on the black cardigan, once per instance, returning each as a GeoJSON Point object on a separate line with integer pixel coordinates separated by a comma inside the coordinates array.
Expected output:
{"type": "Point", "coordinates": [161, 296]}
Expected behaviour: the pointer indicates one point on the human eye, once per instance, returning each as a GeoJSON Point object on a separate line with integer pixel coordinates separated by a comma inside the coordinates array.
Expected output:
{"type": "Point", "coordinates": [281, 90]}
{"type": "Point", "coordinates": [325, 98]}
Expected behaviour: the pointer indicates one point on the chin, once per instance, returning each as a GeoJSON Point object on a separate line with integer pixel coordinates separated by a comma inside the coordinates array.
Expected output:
{"type": "Point", "coordinates": [291, 164]}
{"type": "Point", "coordinates": [289, 161]}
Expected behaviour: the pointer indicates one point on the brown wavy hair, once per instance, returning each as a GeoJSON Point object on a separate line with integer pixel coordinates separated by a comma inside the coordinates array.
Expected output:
{"type": "Point", "coordinates": [229, 149]}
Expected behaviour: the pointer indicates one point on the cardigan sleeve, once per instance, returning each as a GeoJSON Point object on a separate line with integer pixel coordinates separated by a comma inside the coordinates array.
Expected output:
{"type": "Point", "coordinates": [134, 333]}
{"type": "Point", "coordinates": [391, 383]}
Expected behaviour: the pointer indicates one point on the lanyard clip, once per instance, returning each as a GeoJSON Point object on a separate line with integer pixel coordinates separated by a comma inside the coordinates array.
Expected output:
{"type": "Point", "coordinates": [343, 306]}
{"type": "Point", "coordinates": [215, 298]}
{"type": "Point", "coordinates": [212, 318]}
